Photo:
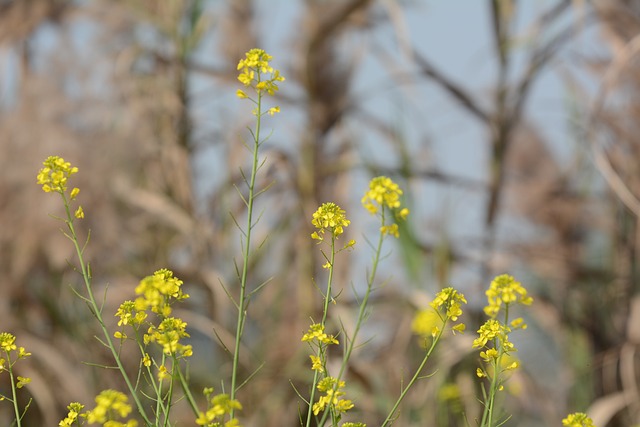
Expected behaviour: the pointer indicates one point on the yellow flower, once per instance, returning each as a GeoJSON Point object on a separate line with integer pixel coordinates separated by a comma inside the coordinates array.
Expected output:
{"type": "Point", "coordinates": [505, 290]}
{"type": "Point", "coordinates": [425, 321]}
{"type": "Point", "coordinates": [72, 416]}
{"type": "Point", "coordinates": [578, 419]}
{"type": "Point", "coordinates": [53, 176]}
{"type": "Point", "coordinates": [255, 71]}
{"type": "Point", "coordinates": [168, 335]}
{"type": "Point", "coordinates": [22, 381]}
{"type": "Point", "coordinates": [158, 292]}
{"type": "Point", "coordinates": [7, 342]}
{"type": "Point", "coordinates": [331, 217]}
{"type": "Point", "coordinates": [273, 110]}
{"type": "Point", "coordinates": [316, 332]}
{"type": "Point", "coordinates": [332, 387]}
{"type": "Point", "coordinates": [79, 213]}
{"type": "Point", "coordinates": [110, 403]}
{"type": "Point", "coordinates": [316, 363]}
{"type": "Point", "coordinates": [382, 192]}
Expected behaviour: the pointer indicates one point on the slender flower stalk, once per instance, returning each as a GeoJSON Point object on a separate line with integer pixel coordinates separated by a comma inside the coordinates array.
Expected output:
{"type": "Point", "coordinates": [447, 308]}
{"type": "Point", "coordinates": [493, 339]}
{"type": "Point", "coordinates": [8, 347]}
{"type": "Point", "coordinates": [257, 74]}
{"type": "Point", "coordinates": [53, 178]}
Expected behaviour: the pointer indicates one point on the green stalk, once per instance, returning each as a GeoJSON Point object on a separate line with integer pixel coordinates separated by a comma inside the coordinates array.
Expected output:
{"type": "Point", "coordinates": [242, 315]}
{"type": "Point", "coordinates": [415, 376]}
{"type": "Point", "coordinates": [487, 415]}
{"type": "Point", "coordinates": [325, 310]}
{"type": "Point", "coordinates": [13, 390]}
{"type": "Point", "coordinates": [361, 313]}
{"type": "Point", "coordinates": [97, 311]}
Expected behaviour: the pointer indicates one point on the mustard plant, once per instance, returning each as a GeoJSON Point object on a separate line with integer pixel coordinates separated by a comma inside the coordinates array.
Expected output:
{"type": "Point", "coordinates": [329, 219]}
{"type": "Point", "coordinates": [382, 199]}
{"type": "Point", "coordinates": [10, 354]}
{"type": "Point", "coordinates": [149, 318]}
{"type": "Point", "coordinates": [53, 178]}
{"type": "Point", "coordinates": [430, 324]}
{"type": "Point", "coordinates": [577, 419]}
{"type": "Point", "coordinates": [493, 341]}
{"type": "Point", "coordinates": [262, 79]}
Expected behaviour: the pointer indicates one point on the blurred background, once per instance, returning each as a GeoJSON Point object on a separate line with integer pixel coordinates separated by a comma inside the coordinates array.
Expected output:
{"type": "Point", "coordinates": [510, 125]}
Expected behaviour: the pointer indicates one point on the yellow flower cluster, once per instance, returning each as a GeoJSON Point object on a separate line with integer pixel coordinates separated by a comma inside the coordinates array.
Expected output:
{"type": "Point", "coordinates": [8, 346]}
{"type": "Point", "coordinates": [129, 315]}
{"type": "Point", "coordinates": [158, 292]}
{"type": "Point", "coordinates": [384, 193]}
{"type": "Point", "coordinates": [252, 69]}
{"type": "Point", "coordinates": [578, 419]}
{"type": "Point", "coordinates": [332, 398]}
{"type": "Point", "coordinates": [444, 307]}
{"type": "Point", "coordinates": [53, 176]}
{"type": "Point", "coordinates": [218, 406]}
{"type": "Point", "coordinates": [73, 414]}
{"type": "Point", "coordinates": [316, 332]}
{"type": "Point", "coordinates": [329, 217]}
{"type": "Point", "coordinates": [168, 335]}
{"type": "Point", "coordinates": [110, 403]}
{"type": "Point", "coordinates": [504, 289]}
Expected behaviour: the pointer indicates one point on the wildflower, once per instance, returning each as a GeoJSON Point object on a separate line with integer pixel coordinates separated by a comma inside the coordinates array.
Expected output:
{"type": "Point", "coordinates": [578, 419]}
{"type": "Point", "coordinates": [445, 306]}
{"type": "Point", "coordinates": [252, 69]}
{"type": "Point", "coordinates": [426, 322]}
{"type": "Point", "coordinates": [331, 217]}
{"type": "Point", "coordinates": [316, 332]}
{"type": "Point", "coordinates": [450, 300]}
{"type": "Point", "coordinates": [504, 289]}
{"type": "Point", "coordinates": [316, 363]}
{"type": "Point", "coordinates": [273, 110]}
{"type": "Point", "coordinates": [354, 425]}
{"type": "Point", "coordinates": [146, 360]}
{"type": "Point", "coordinates": [332, 398]}
{"type": "Point", "coordinates": [168, 335]}
{"type": "Point", "coordinates": [490, 330]}
{"type": "Point", "coordinates": [22, 381]}
{"type": "Point", "coordinates": [218, 406]}
{"type": "Point", "coordinates": [79, 213]}
{"type": "Point", "coordinates": [72, 416]}
{"type": "Point", "coordinates": [7, 342]}
{"type": "Point", "coordinates": [382, 192]}
{"type": "Point", "coordinates": [108, 404]}
{"type": "Point", "coordinates": [53, 176]}
{"type": "Point", "coordinates": [158, 292]}
{"type": "Point", "coordinates": [129, 315]}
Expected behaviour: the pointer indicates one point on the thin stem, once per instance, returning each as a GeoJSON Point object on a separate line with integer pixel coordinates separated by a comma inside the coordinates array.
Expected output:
{"type": "Point", "coordinates": [415, 376]}
{"type": "Point", "coordinates": [325, 310]}
{"type": "Point", "coordinates": [361, 312]}
{"type": "Point", "coordinates": [242, 315]}
{"type": "Point", "coordinates": [13, 390]}
{"type": "Point", "coordinates": [97, 311]}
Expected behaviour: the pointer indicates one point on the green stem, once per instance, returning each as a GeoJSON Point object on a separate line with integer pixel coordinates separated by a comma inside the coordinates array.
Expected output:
{"type": "Point", "coordinates": [97, 311]}
{"type": "Point", "coordinates": [415, 376]}
{"type": "Point", "coordinates": [187, 392]}
{"type": "Point", "coordinates": [13, 390]}
{"type": "Point", "coordinates": [325, 310]}
{"type": "Point", "coordinates": [242, 304]}
{"type": "Point", "coordinates": [361, 313]}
